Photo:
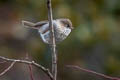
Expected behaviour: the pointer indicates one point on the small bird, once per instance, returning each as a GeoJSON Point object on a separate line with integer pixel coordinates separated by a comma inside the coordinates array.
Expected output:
{"type": "Point", "coordinates": [62, 28]}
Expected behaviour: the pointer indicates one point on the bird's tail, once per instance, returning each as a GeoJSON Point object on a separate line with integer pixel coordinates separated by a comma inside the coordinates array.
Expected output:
{"type": "Point", "coordinates": [28, 24]}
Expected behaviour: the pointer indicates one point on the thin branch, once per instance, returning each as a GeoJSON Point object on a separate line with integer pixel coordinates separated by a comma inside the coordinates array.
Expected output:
{"type": "Point", "coordinates": [93, 72]}
{"type": "Point", "coordinates": [54, 55]}
{"type": "Point", "coordinates": [31, 73]}
{"type": "Point", "coordinates": [29, 63]}
{"type": "Point", "coordinates": [30, 68]}
{"type": "Point", "coordinates": [6, 70]}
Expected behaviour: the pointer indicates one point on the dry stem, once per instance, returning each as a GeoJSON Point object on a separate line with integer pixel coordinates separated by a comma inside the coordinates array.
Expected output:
{"type": "Point", "coordinates": [25, 62]}
{"type": "Point", "coordinates": [6, 70]}
{"type": "Point", "coordinates": [54, 55]}
{"type": "Point", "coordinates": [93, 72]}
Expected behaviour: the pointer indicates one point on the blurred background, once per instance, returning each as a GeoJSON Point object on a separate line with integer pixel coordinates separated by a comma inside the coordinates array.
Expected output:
{"type": "Point", "coordinates": [93, 44]}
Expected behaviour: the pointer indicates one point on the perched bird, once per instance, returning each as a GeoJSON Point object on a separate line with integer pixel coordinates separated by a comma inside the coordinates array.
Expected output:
{"type": "Point", "coordinates": [62, 28]}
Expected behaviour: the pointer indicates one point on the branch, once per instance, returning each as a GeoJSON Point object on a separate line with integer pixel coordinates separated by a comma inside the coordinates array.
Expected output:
{"type": "Point", "coordinates": [30, 68]}
{"type": "Point", "coordinates": [6, 70]}
{"type": "Point", "coordinates": [31, 73]}
{"type": "Point", "coordinates": [54, 55]}
{"type": "Point", "coordinates": [29, 63]}
{"type": "Point", "coordinates": [93, 72]}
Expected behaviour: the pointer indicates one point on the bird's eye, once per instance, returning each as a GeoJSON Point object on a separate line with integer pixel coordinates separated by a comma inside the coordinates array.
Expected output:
{"type": "Point", "coordinates": [67, 25]}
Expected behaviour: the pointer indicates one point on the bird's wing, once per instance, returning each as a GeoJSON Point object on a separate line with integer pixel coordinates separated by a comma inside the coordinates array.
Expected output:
{"type": "Point", "coordinates": [41, 23]}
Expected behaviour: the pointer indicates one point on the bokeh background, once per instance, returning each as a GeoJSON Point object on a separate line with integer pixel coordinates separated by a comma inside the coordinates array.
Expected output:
{"type": "Point", "coordinates": [93, 44]}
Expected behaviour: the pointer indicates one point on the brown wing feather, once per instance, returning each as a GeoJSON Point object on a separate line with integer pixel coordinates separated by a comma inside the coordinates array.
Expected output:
{"type": "Point", "coordinates": [41, 23]}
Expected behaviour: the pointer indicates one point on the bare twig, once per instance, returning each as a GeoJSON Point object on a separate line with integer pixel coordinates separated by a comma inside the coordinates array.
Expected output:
{"type": "Point", "coordinates": [93, 72]}
{"type": "Point", "coordinates": [31, 73]}
{"type": "Point", "coordinates": [29, 63]}
{"type": "Point", "coordinates": [6, 70]}
{"type": "Point", "coordinates": [30, 68]}
{"type": "Point", "coordinates": [54, 55]}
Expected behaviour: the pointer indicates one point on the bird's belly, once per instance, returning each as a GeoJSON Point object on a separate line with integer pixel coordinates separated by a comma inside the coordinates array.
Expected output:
{"type": "Point", "coordinates": [59, 35]}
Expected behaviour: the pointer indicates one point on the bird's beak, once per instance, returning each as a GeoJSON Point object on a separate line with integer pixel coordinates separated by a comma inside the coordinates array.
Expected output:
{"type": "Point", "coordinates": [28, 24]}
{"type": "Point", "coordinates": [72, 27]}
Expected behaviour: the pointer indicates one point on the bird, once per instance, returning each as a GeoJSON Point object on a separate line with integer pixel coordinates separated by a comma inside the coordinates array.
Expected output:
{"type": "Point", "coordinates": [62, 28]}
